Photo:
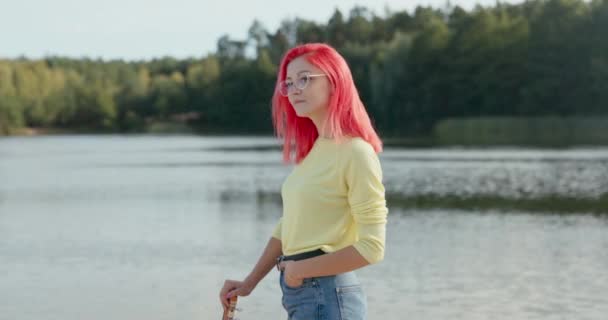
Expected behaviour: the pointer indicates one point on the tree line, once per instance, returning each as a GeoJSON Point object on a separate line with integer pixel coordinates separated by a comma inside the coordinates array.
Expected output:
{"type": "Point", "coordinates": [412, 69]}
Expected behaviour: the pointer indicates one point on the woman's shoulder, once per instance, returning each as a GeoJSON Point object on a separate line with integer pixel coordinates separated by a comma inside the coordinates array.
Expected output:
{"type": "Point", "coordinates": [356, 149]}
{"type": "Point", "coordinates": [360, 156]}
{"type": "Point", "coordinates": [358, 145]}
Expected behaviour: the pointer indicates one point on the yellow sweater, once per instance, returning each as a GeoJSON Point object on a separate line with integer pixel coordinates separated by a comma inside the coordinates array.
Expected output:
{"type": "Point", "coordinates": [334, 198]}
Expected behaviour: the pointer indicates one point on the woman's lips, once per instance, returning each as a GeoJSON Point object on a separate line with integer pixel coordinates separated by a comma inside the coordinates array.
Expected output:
{"type": "Point", "coordinates": [299, 101]}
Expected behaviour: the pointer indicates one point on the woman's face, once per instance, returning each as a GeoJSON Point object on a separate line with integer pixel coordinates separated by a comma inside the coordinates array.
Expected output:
{"type": "Point", "coordinates": [312, 101]}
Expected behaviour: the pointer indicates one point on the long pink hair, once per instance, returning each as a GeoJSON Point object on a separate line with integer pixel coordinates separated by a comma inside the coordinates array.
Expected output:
{"type": "Point", "coordinates": [346, 114]}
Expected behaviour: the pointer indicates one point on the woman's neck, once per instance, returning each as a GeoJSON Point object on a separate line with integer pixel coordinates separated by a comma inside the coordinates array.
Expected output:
{"type": "Point", "coordinates": [319, 121]}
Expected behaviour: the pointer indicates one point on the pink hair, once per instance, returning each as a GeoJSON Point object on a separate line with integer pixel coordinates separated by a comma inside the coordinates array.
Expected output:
{"type": "Point", "coordinates": [346, 114]}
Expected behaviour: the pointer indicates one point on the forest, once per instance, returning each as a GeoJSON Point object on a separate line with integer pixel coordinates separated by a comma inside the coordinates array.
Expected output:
{"type": "Point", "coordinates": [419, 73]}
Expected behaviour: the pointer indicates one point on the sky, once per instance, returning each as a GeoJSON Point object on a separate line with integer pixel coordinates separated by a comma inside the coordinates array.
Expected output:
{"type": "Point", "coordinates": [147, 29]}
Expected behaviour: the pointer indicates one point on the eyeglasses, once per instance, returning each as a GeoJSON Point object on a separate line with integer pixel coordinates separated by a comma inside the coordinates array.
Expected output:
{"type": "Point", "coordinates": [286, 87]}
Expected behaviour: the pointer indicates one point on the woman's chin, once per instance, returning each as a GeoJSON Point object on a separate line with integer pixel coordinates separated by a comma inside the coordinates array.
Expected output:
{"type": "Point", "coordinates": [301, 113]}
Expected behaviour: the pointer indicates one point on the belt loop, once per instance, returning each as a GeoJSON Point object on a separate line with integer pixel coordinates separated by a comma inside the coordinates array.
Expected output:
{"type": "Point", "coordinates": [279, 260]}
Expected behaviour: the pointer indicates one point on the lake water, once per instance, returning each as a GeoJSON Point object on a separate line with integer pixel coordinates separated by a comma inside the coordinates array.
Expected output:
{"type": "Point", "coordinates": [148, 227]}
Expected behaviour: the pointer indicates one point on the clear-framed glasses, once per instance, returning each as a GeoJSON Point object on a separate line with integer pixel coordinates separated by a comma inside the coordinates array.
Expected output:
{"type": "Point", "coordinates": [287, 86]}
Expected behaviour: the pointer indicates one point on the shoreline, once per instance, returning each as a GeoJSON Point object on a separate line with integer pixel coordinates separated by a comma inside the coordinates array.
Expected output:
{"type": "Point", "coordinates": [169, 128]}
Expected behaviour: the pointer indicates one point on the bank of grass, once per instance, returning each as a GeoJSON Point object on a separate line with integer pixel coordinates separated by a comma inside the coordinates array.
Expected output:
{"type": "Point", "coordinates": [168, 128]}
{"type": "Point", "coordinates": [537, 131]}
{"type": "Point", "coordinates": [157, 127]}
{"type": "Point", "coordinates": [31, 131]}
{"type": "Point", "coordinates": [550, 204]}
{"type": "Point", "coordinates": [545, 205]}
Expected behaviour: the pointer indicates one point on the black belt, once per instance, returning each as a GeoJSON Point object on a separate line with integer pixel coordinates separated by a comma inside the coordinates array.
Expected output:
{"type": "Point", "coordinates": [300, 256]}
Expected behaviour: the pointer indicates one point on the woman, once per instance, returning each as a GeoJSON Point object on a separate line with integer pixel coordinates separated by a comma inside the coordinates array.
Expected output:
{"type": "Point", "coordinates": [334, 210]}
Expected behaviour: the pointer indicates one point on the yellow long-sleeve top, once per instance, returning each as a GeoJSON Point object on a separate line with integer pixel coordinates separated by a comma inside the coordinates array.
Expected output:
{"type": "Point", "coordinates": [334, 198]}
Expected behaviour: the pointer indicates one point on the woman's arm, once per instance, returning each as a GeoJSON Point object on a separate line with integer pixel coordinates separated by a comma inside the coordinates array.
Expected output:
{"type": "Point", "coordinates": [243, 288]}
{"type": "Point", "coordinates": [266, 262]}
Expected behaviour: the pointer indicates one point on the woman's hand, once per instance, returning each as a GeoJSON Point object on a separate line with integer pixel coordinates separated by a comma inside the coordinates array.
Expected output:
{"type": "Point", "coordinates": [291, 274]}
{"type": "Point", "coordinates": [234, 288]}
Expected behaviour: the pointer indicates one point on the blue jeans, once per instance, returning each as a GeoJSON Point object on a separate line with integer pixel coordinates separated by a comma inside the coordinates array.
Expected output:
{"type": "Point", "coordinates": [338, 297]}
